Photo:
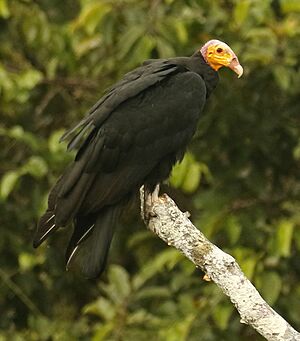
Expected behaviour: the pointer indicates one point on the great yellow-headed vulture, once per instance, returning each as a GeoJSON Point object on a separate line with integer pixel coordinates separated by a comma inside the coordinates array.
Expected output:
{"type": "Point", "coordinates": [131, 137]}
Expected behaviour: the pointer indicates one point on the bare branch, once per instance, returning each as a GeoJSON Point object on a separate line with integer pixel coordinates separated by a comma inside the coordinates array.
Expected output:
{"type": "Point", "coordinates": [173, 226]}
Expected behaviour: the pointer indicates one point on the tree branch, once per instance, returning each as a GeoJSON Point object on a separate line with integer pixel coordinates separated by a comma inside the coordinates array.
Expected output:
{"type": "Point", "coordinates": [173, 226]}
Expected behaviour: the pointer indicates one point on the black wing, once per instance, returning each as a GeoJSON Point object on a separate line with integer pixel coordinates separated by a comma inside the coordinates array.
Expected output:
{"type": "Point", "coordinates": [121, 153]}
{"type": "Point", "coordinates": [132, 84]}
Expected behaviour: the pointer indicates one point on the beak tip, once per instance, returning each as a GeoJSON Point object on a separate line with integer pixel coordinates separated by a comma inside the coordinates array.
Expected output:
{"type": "Point", "coordinates": [236, 67]}
{"type": "Point", "coordinates": [239, 70]}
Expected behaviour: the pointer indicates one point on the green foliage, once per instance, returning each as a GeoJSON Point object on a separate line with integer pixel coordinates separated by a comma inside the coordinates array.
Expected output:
{"type": "Point", "coordinates": [187, 174]}
{"type": "Point", "coordinates": [240, 179]}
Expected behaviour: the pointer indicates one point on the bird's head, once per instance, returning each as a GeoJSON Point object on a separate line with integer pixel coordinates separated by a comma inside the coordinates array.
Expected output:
{"type": "Point", "coordinates": [218, 54]}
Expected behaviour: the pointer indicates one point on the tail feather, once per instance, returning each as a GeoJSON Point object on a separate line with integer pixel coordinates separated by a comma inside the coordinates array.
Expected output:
{"type": "Point", "coordinates": [68, 205]}
{"type": "Point", "coordinates": [83, 226]}
{"type": "Point", "coordinates": [89, 245]}
{"type": "Point", "coordinates": [64, 201]}
{"type": "Point", "coordinates": [45, 227]}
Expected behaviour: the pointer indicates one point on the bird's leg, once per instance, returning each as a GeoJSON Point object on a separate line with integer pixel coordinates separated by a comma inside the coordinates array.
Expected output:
{"type": "Point", "coordinates": [148, 200]}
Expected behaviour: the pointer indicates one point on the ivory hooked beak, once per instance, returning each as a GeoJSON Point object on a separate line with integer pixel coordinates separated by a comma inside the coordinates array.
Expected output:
{"type": "Point", "coordinates": [236, 67]}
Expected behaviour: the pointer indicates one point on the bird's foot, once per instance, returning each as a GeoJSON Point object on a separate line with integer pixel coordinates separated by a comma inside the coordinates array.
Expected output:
{"type": "Point", "coordinates": [148, 200]}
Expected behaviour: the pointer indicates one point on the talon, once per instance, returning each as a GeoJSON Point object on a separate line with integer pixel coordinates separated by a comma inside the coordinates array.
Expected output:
{"type": "Point", "coordinates": [149, 199]}
{"type": "Point", "coordinates": [155, 194]}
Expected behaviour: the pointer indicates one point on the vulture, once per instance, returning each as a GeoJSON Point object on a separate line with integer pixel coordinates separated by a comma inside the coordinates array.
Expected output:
{"type": "Point", "coordinates": [131, 137]}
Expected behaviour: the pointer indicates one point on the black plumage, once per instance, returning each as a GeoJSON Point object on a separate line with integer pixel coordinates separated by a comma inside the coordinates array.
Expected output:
{"type": "Point", "coordinates": [132, 136]}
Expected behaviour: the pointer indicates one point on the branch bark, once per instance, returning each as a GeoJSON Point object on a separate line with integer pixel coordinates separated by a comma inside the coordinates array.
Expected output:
{"type": "Point", "coordinates": [173, 226]}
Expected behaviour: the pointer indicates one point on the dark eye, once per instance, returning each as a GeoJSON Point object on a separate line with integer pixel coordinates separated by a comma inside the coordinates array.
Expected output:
{"type": "Point", "coordinates": [219, 50]}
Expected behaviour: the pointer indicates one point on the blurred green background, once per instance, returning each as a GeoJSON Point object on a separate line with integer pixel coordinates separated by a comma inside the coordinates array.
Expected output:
{"type": "Point", "coordinates": [240, 179]}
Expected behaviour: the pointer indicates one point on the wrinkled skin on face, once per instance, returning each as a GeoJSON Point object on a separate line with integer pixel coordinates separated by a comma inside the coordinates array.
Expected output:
{"type": "Point", "coordinates": [218, 54]}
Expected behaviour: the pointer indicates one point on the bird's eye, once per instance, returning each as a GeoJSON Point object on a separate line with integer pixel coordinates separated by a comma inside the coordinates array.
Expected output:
{"type": "Point", "coordinates": [219, 50]}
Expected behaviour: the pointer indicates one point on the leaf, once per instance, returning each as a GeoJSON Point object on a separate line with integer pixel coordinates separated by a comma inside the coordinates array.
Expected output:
{"type": "Point", "coordinates": [54, 144]}
{"type": "Point", "coordinates": [8, 183]}
{"type": "Point", "coordinates": [102, 307]}
{"type": "Point", "coordinates": [18, 133]}
{"type": "Point", "coordinates": [186, 303]}
{"type": "Point", "coordinates": [241, 11]}
{"type": "Point", "coordinates": [84, 46]}
{"type": "Point", "coordinates": [129, 39]}
{"type": "Point", "coordinates": [119, 279]}
{"type": "Point", "coordinates": [28, 260]}
{"type": "Point", "coordinates": [142, 316]}
{"type": "Point", "coordinates": [4, 10]}
{"type": "Point", "coordinates": [290, 6]}
{"type": "Point", "coordinates": [91, 16]}
{"type": "Point", "coordinates": [192, 178]}
{"type": "Point", "coordinates": [179, 172]}
{"type": "Point", "coordinates": [247, 259]}
{"type": "Point", "coordinates": [296, 151]}
{"type": "Point", "coordinates": [182, 32]}
{"type": "Point", "coordinates": [165, 49]}
{"type": "Point", "coordinates": [139, 238]}
{"type": "Point", "coordinates": [152, 291]}
{"type": "Point", "coordinates": [282, 76]}
{"type": "Point", "coordinates": [248, 266]}
{"type": "Point", "coordinates": [283, 238]}
{"type": "Point", "coordinates": [30, 78]}
{"type": "Point", "coordinates": [140, 51]}
{"type": "Point", "coordinates": [269, 285]}
{"type": "Point", "coordinates": [35, 166]}
{"type": "Point", "coordinates": [168, 258]}
{"type": "Point", "coordinates": [233, 228]}
{"type": "Point", "coordinates": [221, 315]}
{"type": "Point", "coordinates": [187, 174]}
{"type": "Point", "coordinates": [179, 330]}
{"type": "Point", "coordinates": [52, 67]}
{"type": "Point", "coordinates": [103, 331]}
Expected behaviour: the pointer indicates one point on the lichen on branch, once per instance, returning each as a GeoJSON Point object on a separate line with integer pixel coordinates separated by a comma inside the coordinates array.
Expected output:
{"type": "Point", "coordinates": [163, 217]}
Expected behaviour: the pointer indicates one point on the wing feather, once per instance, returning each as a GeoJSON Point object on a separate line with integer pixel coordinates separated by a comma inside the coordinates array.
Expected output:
{"type": "Point", "coordinates": [132, 84]}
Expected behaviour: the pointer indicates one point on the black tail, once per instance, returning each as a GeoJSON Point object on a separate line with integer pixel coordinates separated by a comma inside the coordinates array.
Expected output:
{"type": "Point", "coordinates": [47, 224]}
{"type": "Point", "coordinates": [45, 228]}
{"type": "Point", "coordinates": [88, 248]}
{"type": "Point", "coordinates": [64, 201]}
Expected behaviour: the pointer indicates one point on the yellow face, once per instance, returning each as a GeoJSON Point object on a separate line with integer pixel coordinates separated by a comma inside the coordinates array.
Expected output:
{"type": "Point", "coordinates": [219, 55]}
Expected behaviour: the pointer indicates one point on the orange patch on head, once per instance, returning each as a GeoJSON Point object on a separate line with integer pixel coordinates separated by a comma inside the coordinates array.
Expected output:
{"type": "Point", "coordinates": [218, 54]}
